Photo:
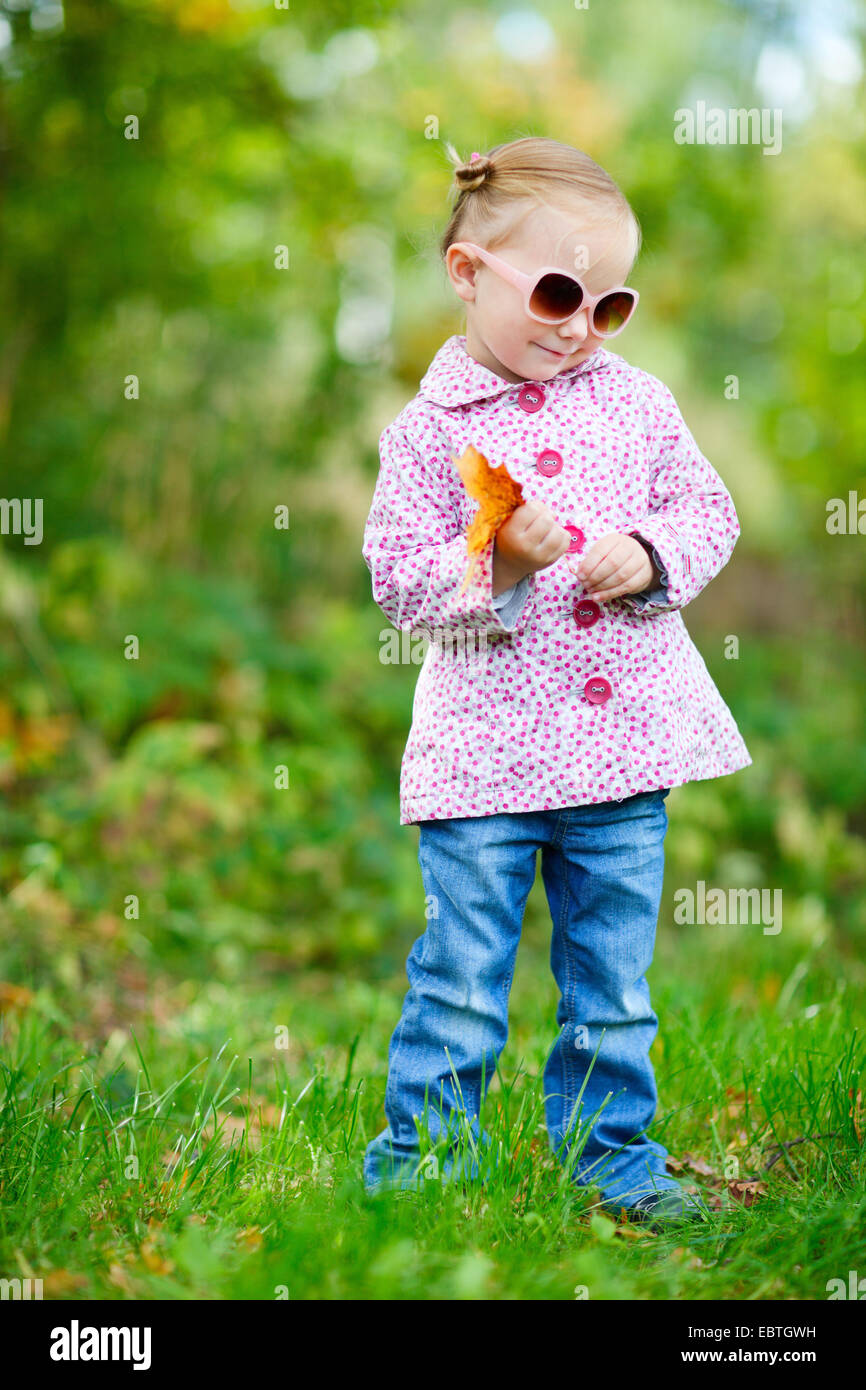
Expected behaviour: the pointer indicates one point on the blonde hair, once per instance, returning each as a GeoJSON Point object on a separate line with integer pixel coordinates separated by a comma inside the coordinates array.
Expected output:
{"type": "Point", "coordinates": [534, 170]}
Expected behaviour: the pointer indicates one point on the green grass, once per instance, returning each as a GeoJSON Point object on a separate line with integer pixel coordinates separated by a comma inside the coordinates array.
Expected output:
{"type": "Point", "coordinates": [149, 1034]}
{"type": "Point", "coordinates": [198, 1160]}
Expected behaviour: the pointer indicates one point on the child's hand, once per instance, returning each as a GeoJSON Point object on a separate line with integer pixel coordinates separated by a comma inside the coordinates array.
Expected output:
{"type": "Point", "coordinates": [531, 539]}
{"type": "Point", "coordinates": [615, 565]}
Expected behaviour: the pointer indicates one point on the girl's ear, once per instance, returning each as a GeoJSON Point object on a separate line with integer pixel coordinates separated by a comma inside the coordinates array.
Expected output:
{"type": "Point", "coordinates": [461, 272]}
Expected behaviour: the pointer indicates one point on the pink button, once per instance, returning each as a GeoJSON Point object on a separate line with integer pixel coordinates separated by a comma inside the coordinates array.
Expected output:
{"type": "Point", "coordinates": [597, 690]}
{"type": "Point", "coordinates": [577, 538]}
{"type": "Point", "coordinates": [549, 461]}
{"type": "Point", "coordinates": [530, 398]}
{"type": "Point", "coordinates": [587, 612]}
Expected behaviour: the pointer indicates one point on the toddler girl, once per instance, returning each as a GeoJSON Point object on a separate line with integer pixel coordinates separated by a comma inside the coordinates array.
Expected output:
{"type": "Point", "coordinates": [569, 697]}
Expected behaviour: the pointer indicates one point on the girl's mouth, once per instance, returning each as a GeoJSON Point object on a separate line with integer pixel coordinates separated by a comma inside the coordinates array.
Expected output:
{"type": "Point", "coordinates": [558, 355]}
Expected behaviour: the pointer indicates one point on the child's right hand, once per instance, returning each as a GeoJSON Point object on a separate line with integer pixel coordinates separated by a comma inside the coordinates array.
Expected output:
{"type": "Point", "coordinates": [531, 539]}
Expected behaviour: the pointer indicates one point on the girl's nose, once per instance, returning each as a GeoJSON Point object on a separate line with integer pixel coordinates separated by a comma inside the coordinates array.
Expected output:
{"type": "Point", "coordinates": [577, 326]}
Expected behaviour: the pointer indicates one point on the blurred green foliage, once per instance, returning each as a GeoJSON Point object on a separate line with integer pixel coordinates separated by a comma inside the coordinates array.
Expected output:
{"type": "Point", "coordinates": [259, 388]}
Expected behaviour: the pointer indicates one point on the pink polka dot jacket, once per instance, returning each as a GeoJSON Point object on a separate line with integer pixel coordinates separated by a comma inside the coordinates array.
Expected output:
{"type": "Point", "coordinates": [542, 697]}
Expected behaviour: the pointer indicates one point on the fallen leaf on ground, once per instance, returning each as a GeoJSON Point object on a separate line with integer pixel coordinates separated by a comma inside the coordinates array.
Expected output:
{"type": "Point", "coordinates": [153, 1260]}
{"type": "Point", "coordinates": [712, 1198]}
{"type": "Point", "coordinates": [61, 1281]}
{"type": "Point", "coordinates": [251, 1236]}
{"type": "Point", "coordinates": [747, 1192]}
{"type": "Point", "coordinates": [694, 1165]}
{"type": "Point", "coordinates": [633, 1230]}
{"type": "Point", "coordinates": [14, 996]}
{"type": "Point", "coordinates": [736, 1102]}
{"type": "Point", "coordinates": [119, 1276]}
{"type": "Point", "coordinates": [233, 1127]}
{"type": "Point", "coordinates": [856, 1113]}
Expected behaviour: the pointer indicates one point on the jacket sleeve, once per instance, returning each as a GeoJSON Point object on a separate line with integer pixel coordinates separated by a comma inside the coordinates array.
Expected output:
{"type": "Point", "coordinates": [692, 524]}
{"type": "Point", "coordinates": [415, 545]}
{"type": "Point", "coordinates": [509, 602]}
{"type": "Point", "coordinates": [651, 596]}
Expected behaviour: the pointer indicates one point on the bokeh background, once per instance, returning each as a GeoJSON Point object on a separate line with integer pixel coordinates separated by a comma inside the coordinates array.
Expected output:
{"type": "Point", "coordinates": [320, 129]}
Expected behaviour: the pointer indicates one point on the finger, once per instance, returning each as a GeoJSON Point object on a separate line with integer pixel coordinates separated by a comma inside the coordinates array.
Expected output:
{"type": "Point", "coordinates": [622, 582]}
{"type": "Point", "coordinates": [604, 586]}
{"type": "Point", "coordinates": [556, 544]}
{"type": "Point", "coordinates": [545, 528]}
{"type": "Point", "coordinates": [530, 510]}
{"type": "Point", "coordinates": [598, 562]}
{"type": "Point", "coordinates": [599, 572]}
{"type": "Point", "coordinates": [607, 556]}
{"type": "Point", "coordinates": [620, 574]}
{"type": "Point", "coordinates": [607, 595]}
{"type": "Point", "coordinates": [532, 523]}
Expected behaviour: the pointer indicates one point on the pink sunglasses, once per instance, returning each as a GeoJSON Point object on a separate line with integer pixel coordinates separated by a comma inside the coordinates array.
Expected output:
{"type": "Point", "coordinates": [553, 296]}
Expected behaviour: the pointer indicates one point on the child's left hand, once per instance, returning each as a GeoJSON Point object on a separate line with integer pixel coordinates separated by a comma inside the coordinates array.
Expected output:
{"type": "Point", "coordinates": [615, 565]}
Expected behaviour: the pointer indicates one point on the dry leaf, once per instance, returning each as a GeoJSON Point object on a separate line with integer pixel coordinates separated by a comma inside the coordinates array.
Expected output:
{"type": "Point", "coordinates": [498, 494]}
{"type": "Point", "coordinates": [251, 1236]}
{"type": "Point", "coordinates": [693, 1164]}
{"type": "Point", "coordinates": [737, 1101]}
{"type": "Point", "coordinates": [856, 1114]}
{"type": "Point", "coordinates": [632, 1231]}
{"type": "Point", "coordinates": [14, 996]}
{"type": "Point", "coordinates": [118, 1276]}
{"type": "Point", "coordinates": [58, 1282]}
{"type": "Point", "coordinates": [711, 1197]}
{"type": "Point", "coordinates": [153, 1260]}
{"type": "Point", "coordinates": [699, 1165]}
{"type": "Point", "coordinates": [747, 1192]}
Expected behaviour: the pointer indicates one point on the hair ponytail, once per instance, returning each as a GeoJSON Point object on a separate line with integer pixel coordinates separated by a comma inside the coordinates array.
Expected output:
{"type": "Point", "coordinates": [493, 189]}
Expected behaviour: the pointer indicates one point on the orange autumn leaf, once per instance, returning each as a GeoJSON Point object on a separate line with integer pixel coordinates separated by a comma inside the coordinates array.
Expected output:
{"type": "Point", "coordinates": [498, 495]}
{"type": "Point", "coordinates": [856, 1113]}
{"type": "Point", "coordinates": [251, 1236]}
{"type": "Point", "coordinates": [153, 1260]}
{"type": "Point", "coordinates": [58, 1282]}
{"type": "Point", "coordinates": [14, 997]}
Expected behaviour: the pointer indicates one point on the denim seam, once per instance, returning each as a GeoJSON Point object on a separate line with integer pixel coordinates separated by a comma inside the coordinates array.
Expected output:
{"type": "Point", "coordinates": [567, 1076]}
{"type": "Point", "coordinates": [392, 1069]}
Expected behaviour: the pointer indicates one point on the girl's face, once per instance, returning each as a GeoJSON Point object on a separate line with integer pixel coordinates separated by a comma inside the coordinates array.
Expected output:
{"type": "Point", "coordinates": [499, 333]}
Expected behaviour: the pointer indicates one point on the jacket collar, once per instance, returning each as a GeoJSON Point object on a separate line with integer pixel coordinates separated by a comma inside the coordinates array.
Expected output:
{"type": "Point", "coordinates": [454, 378]}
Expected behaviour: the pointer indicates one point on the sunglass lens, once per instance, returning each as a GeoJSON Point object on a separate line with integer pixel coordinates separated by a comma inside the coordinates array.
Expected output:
{"type": "Point", "coordinates": [556, 297]}
{"type": "Point", "coordinates": [612, 313]}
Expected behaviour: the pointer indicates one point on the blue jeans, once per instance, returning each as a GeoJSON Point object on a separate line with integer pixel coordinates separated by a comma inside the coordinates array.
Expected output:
{"type": "Point", "coordinates": [602, 867]}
